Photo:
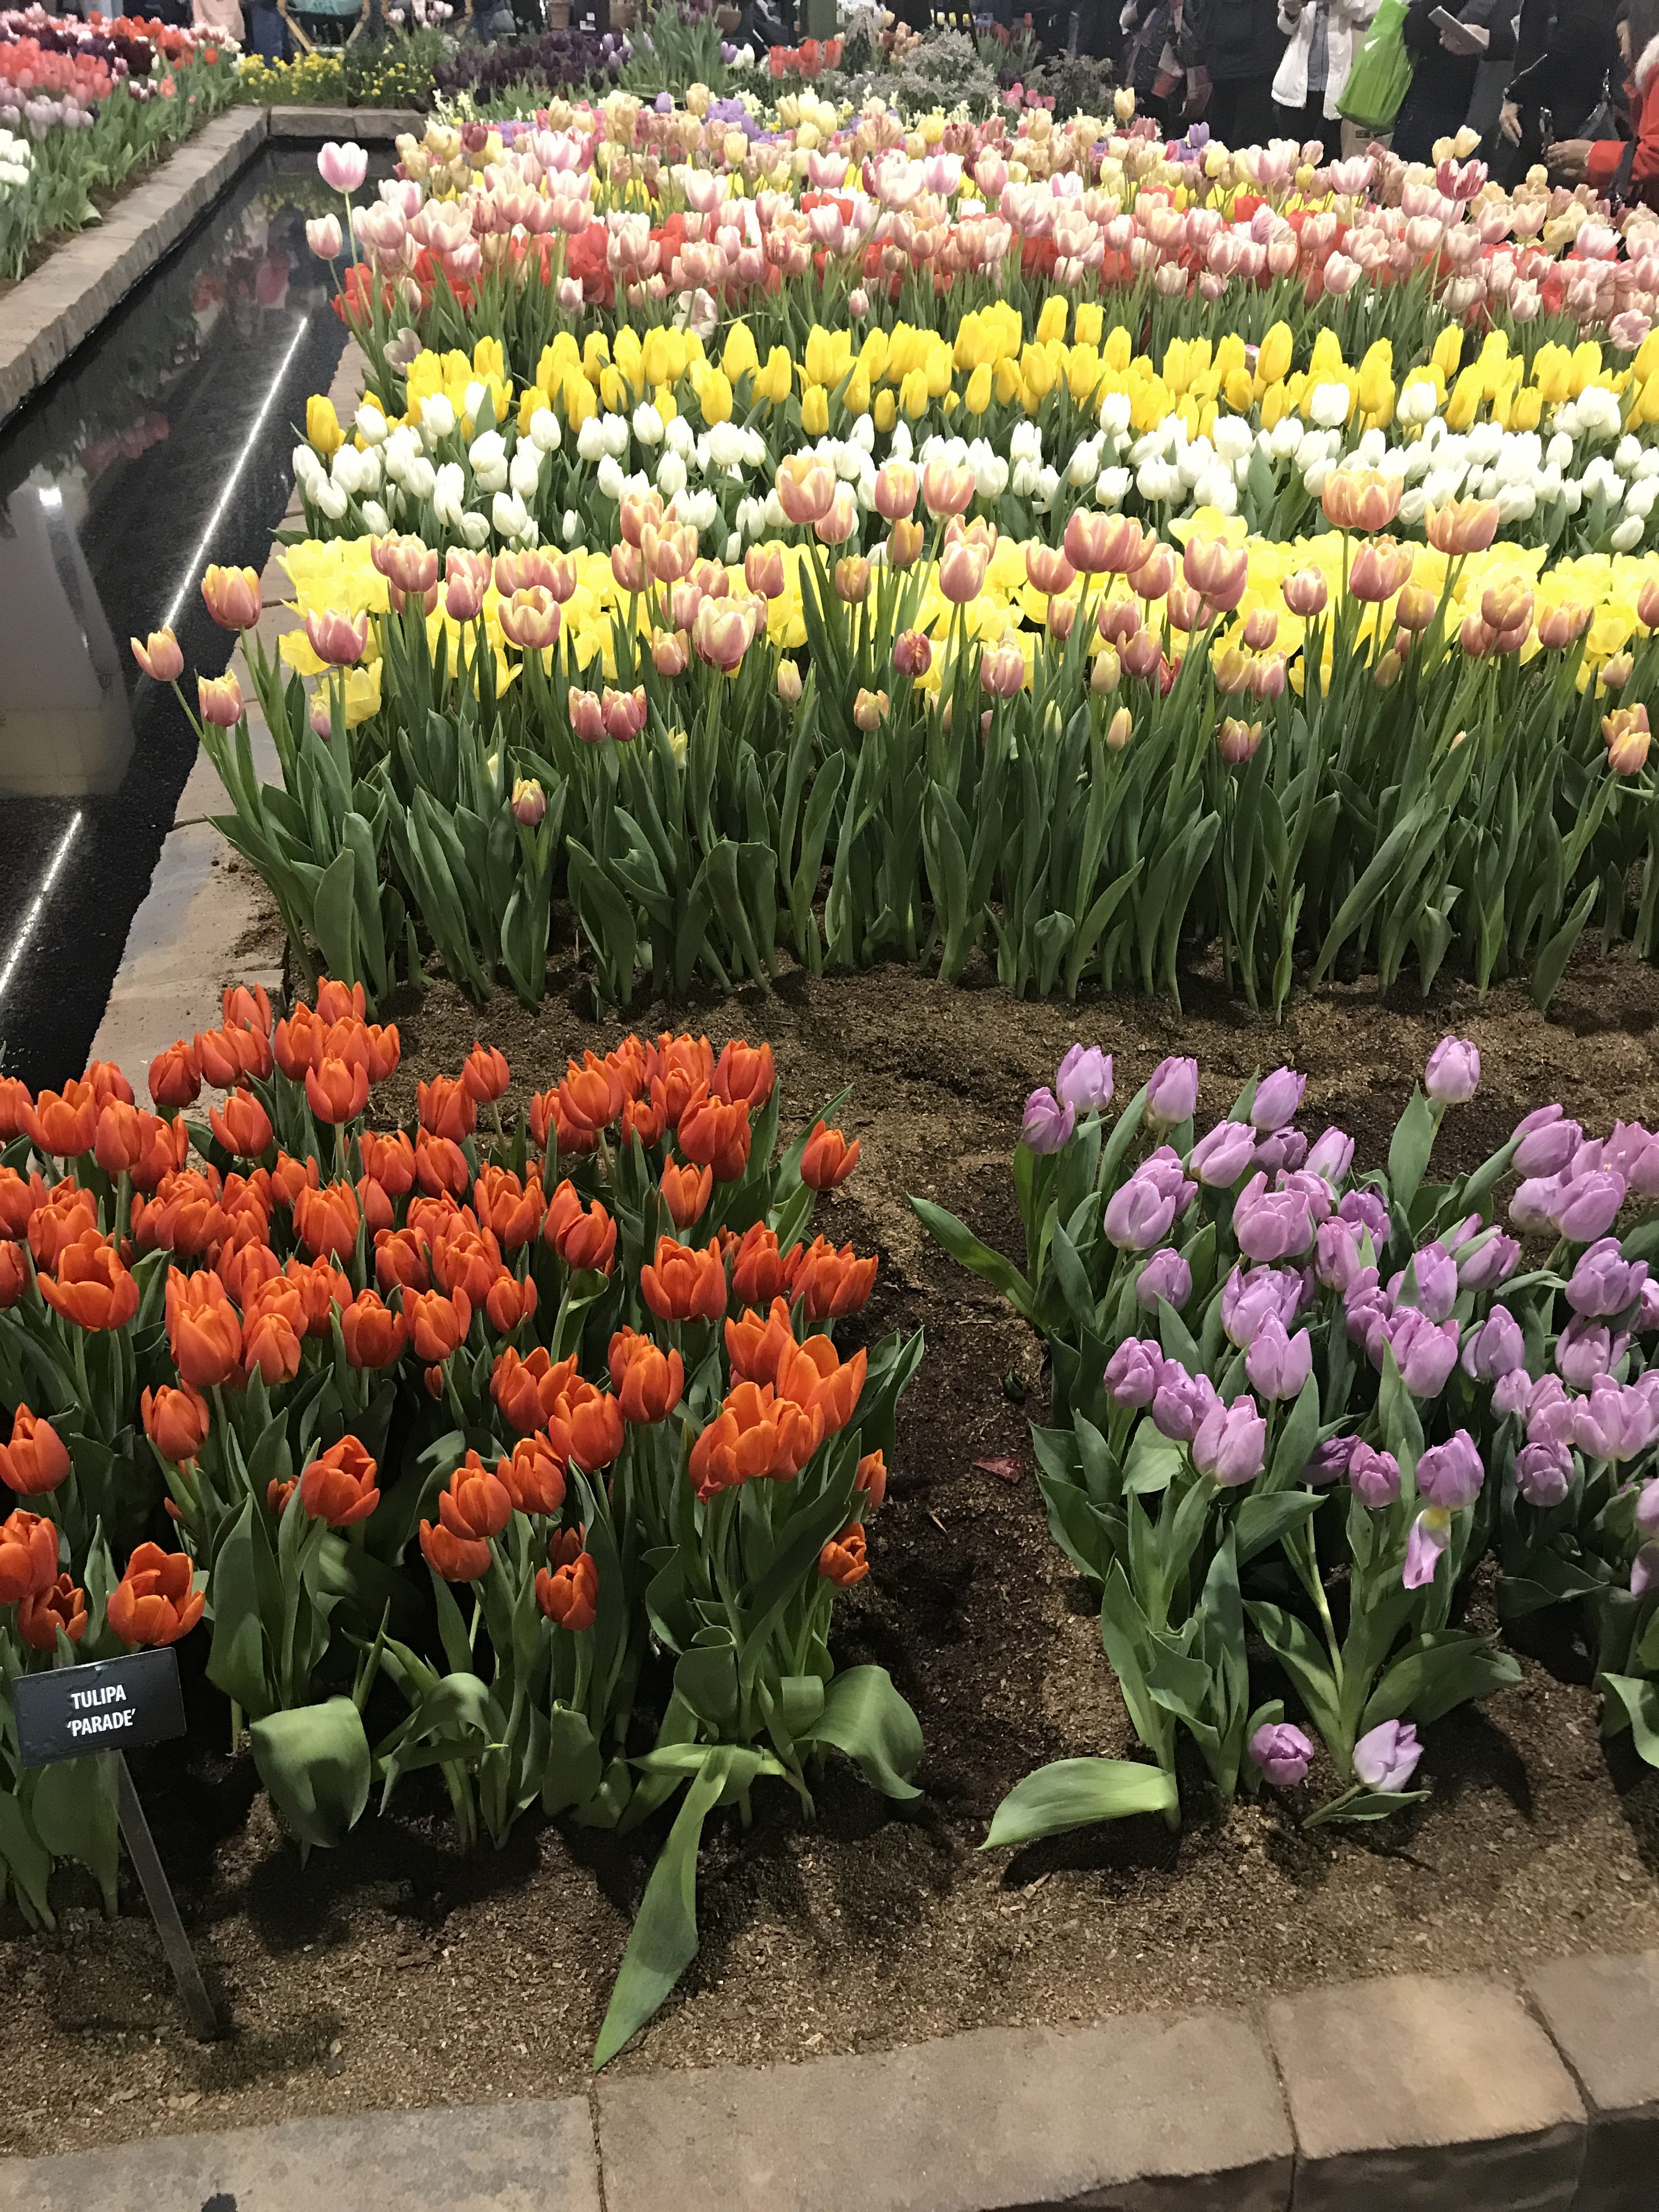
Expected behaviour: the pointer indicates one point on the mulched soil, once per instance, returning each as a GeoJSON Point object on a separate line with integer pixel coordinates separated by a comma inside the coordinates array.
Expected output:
{"type": "Point", "coordinates": [393, 1972]}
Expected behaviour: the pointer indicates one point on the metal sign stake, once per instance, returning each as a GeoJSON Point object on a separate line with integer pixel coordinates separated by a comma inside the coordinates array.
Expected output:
{"type": "Point", "coordinates": [164, 1909]}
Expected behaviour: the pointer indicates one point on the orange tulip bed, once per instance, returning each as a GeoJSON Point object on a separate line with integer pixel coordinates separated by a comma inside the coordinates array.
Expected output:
{"type": "Point", "coordinates": [530, 1449]}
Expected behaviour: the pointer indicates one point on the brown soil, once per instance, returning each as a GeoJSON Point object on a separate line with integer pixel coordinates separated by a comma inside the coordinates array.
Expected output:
{"type": "Point", "coordinates": [393, 1972]}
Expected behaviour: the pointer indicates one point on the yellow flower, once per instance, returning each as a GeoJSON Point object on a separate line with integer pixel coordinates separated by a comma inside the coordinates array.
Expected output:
{"type": "Point", "coordinates": [323, 426]}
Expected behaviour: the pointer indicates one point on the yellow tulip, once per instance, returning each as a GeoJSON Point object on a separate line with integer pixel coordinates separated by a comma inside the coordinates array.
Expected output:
{"type": "Point", "coordinates": [1448, 350]}
{"type": "Point", "coordinates": [885, 410]}
{"type": "Point", "coordinates": [1051, 323]}
{"type": "Point", "coordinates": [740, 358]}
{"type": "Point", "coordinates": [815, 411]}
{"type": "Point", "coordinates": [323, 426]}
{"type": "Point", "coordinates": [1272, 359]}
{"type": "Point", "coordinates": [977, 397]}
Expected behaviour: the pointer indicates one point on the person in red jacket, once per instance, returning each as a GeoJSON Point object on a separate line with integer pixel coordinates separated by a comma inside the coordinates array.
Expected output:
{"type": "Point", "coordinates": [1599, 161]}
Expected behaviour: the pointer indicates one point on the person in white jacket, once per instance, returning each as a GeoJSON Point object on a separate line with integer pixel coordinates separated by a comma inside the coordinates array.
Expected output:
{"type": "Point", "coordinates": [1324, 37]}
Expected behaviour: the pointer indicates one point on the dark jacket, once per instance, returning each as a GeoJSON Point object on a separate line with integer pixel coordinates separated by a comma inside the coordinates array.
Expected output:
{"type": "Point", "coordinates": [1232, 38]}
{"type": "Point", "coordinates": [1564, 56]}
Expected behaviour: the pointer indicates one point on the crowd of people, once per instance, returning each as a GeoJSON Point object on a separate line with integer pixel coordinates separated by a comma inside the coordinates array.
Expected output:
{"type": "Point", "coordinates": [1563, 83]}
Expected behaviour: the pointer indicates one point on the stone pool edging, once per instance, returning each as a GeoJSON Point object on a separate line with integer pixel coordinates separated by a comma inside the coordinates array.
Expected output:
{"type": "Point", "coordinates": [1431, 2094]}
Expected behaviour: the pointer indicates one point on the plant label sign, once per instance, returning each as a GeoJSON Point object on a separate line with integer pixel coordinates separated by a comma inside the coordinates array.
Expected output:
{"type": "Point", "coordinates": [112, 1704]}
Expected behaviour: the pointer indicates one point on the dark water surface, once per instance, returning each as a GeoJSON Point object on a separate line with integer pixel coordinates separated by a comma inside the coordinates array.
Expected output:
{"type": "Point", "coordinates": [165, 443]}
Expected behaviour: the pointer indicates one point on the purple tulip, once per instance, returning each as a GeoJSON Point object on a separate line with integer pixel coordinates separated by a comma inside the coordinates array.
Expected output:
{"type": "Point", "coordinates": [1283, 1753]}
{"type": "Point", "coordinates": [1535, 1202]}
{"type": "Point", "coordinates": [1045, 1125]}
{"type": "Point", "coordinates": [1552, 1416]}
{"type": "Point", "coordinates": [1587, 1159]}
{"type": "Point", "coordinates": [1329, 1462]}
{"type": "Point", "coordinates": [1424, 1352]}
{"type": "Point", "coordinates": [1634, 1153]}
{"type": "Point", "coordinates": [1336, 1254]}
{"type": "Point", "coordinates": [1436, 1273]}
{"type": "Point", "coordinates": [1302, 1183]}
{"type": "Point", "coordinates": [1587, 1348]}
{"type": "Point", "coordinates": [1647, 1310]}
{"type": "Point", "coordinates": [1138, 1216]}
{"type": "Point", "coordinates": [1613, 1422]}
{"type": "Point", "coordinates": [1134, 1371]}
{"type": "Point", "coordinates": [1386, 1757]}
{"type": "Point", "coordinates": [1645, 1570]}
{"type": "Point", "coordinates": [1453, 1074]}
{"type": "Point", "coordinates": [1279, 1365]}
{"type": "Point", "coordinates": [1366, 1314]}
{"type": "Point", "coordinates": [1085, 1081]}
{"type": "Point", "coordinates": [1647, 1508]}
{"type": "Point", "coordinates": [1374, 1476]}
{"type": "Point", "coordinates": [1450, 1475]}
{"type": "Point", "coordinates": [1163, 1171]}
{"type": "Point", "coordinates": [1165, 1275]}
{"type": "Point", "coordinates": [1171, 1092]}
{"type": "Point", "coordinates": [1366, 1211]}
{"type": "Point", "coordinates": [1547, 1150]}
{"type": "Point", "coordinates": [1231, 1443]}
{"type": "Point", "coordinates": [1511, 1393]}
{"type": "Point", "coordinates": [1540, 1118]}
{"type": "Point", "coordinates": [1285, 1149]}
{"type": "Point", "coordinates": [1588, 1206]}
{"type": "Point", "coordinates": [1604, 1282]}
{"type": "Point", "coordinates": [1271, 1224]}
{"type": "Point", "coordinates": [1277, 1098]}
{"type": "Point", "coordinates": [1222, 1156]}
{"type": "Point", "coordinates": [1429, 1535]}
{"type": "Point", "coordinates": [1543, 1473]}
{"type": "Point", "coordinates": [1247, 1299]}
{"type": "Point", "coordinates": [1331, 1156]}
{"type": "Point", "coordinates": [1495, 1348]}
{"type": "Point", "coordinates": [1482, 1266]}
{"type": "Point", "coordinates": [1180, 1402]}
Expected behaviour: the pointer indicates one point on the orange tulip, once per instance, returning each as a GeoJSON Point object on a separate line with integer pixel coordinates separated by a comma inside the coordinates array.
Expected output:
{"type": "Point", "coordinates": [244, 1269]}
{"type": "Point", "coordinates": [684, 1284]}
{"type": "Point", "coordinates": [745, 1073]}
{"type": "Point", "coordinates": [175, 1421]}
{"type": "Point", "coordinates": [14, 1274]}
{"type": "Point", "coordinates": [152, 1603]}
{"type": "Point", "coordinates": [842, 1561]}
{"type": "Point", "coordinates": [511, 1210]}
{"type": "Point", "coordinates": [437, 1324]}
{"type": "Point", "coordinates": [485, 1073]}
{"type": "Point", "coordinates": [15, 1101]}
{"type": "Point", "coordinates": [477, 1504]}
{"type": "Point", "coordinates": [686, 1192]}
{"type": "Point", "coordinates": [686, 1066]}
{"type": "Point", "coordinates": [456, 1559]}
{"type": "Point", "coordinates": [834, 1283]}
{"type": "Point", "coordinates": [827, 1158]}
{"type": "Point", "coordinates": [159, 656]}
{"type": "Point", "coordinates": [36, 1460]}
{"type": "Point", "coordinates": [389, 1158]}
{"type": "Point", "coordinates": [871, 1478]}
{"type": "Point", "coordinates": [586, 1425]}
{"type": "Point", "coordinates": [373, 1334]}
{"type": "Point", "coordinates": [326, 1220]}
{"type": "Point", "coordinates": [21, 1197]}
{"type": "Point", "coordinates": [225, 1056]}
{"type": "Point", "coordinates": [591, 1095]}
{"type": "Point", "coordinates": [534, 1477]}
{"type": "Point", "coordinates": [65, 1124]}
{"type": "Point", "coordinates": [448, 1108]}
{"type": "Point", "coordinates": [465, 1259]}
{"type": "Point", "coordinates": [107, 1083]}
{"type": "Point", "coordinates": [739, 1445]}
{"type": "Point", "coordinates": [290, 1178]}
{"type": "Point", "coordinates": [28, 1556]}
{"type": "Point", "coordinates": [68, 1214]}
{"type": "Point", "coordinates": [339, 1486]}
{"type": "Point", "coordinates": [338, 1002]}
{"type": "Point", "coordinates": [231, 596]}
{"type": "Point", "coordinates": [321, 1287]}
{"type": "Point", "coordinates": [60, 1606]}
{"type": "Point", "coordinates": [570, 1594]}
{"type": "Point", "coordinates": [298, 1043]}
{"type": "Point", "coordinates": [118, 1145]}
{"type": "Point", "coordinates": [526, 1388]}
{"type": "Point", "coordinates": [648, 1382]}
{"type": "Point", "coordinates": [92, 1288]}
{"type": "Point", "coordinates": [583, 1237]}
{"type": "Point", "coordinates": [440, 1165]}
{"type": "Point", "coordinates": [203, 1330]}
{"type": "Point", "coordinates": [757, 1271]}
{"type": "Point", "coordinates": [813, 1374]}
{"type": "Point", "coordinates": [273, 1326]}
{"type": "Point", "coordinates": [186, 1216]}
{"type": "Point", "coordinates": [400, 1261]}
{"type": "Point", "coordinates": [755, 1344]}
{"type": "Point", "coordinates": [715, 1135]}
{"type": "Point", "coordinates": [246, 1007]}
{"type": "Point", "coordinates": [337, 1091]}
{"type": "Point", "coordinates": [509, 1301]}
{"type": "Point", "coordinates": [242, 1125]}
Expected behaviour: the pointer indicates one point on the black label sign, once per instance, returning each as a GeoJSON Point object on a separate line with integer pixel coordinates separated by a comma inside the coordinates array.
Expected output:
{"type": "Point", "coordinates": [114, 1705]}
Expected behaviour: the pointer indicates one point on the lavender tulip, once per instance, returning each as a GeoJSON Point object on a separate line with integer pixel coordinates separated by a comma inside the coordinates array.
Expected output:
{"type": "Point", "coordinates": [1430, 1534]}
{"type": "Point", "coordinates": [1165, 1275]}
{"type": "Point", "coordinates": [1552, 1416]}
{"type": "Point", "coordinates": [1535, 1202]}
{"type": "Point", "coordinates": [1511, 1393]}
{"type": "Point", "coordinates": [1366, 1314]}
{"type": "Point", "coordinates": [1495, 1348]}
{"type": "Point", "coordinates": [1085, 1081]}
{"type": "Point", "coordinates": [1634, 1153]}
{"type": "Point", "coordinates": [1314, 1187]}
{"type": "Point", "coordinates": [1222, 1156]}
{"type": "Point", "coordinates": [1613, 1422]}
{"type": "Point", "coordinates": [1138, 1216]}
{"type": "Point", "coordinates": [1283, 1753]}
{"type": "Point", "coordinates": [1543, 1473]}
{"type": "Point", "coordinates": [1589, 1158]}
{"type": "Point", "coordinates": [1645, 1570]}
{"type": "Point", "coordinates": [1483, 1265]}
{"type": "Point", "coordinates": [1450, 1475]}
{"type": "Point", "coordinates": [1386, 1757]}
{"type": "Point", "coordinates": [1163, 1171]}
{"type": "Point", "coordinates": [1588, 1207]}
{"type": "Point", "coordinates": [1231, 1443]}
{"type": "Point", "coordinates": [1277, 1098]}
{"type": "Point", "coordinates": [1247, 1300]}
{"type": "Point", "coordinates": [1425, 1354]}
{"type": "Point", "coordinates": [1330, 1461]}
{"type": "Point", "coordinates": [1374, 1476]}
{"type": "Point", "coordinates": [1180, 1402]}
{"type": "Point", "coordinates": [1171, 1092]}
{"type": "Point", "coordinates": [1331, 1155]}
{"type": "Point", "coordinates": [1587, 1348]}
{"type": "Point", "coordinates": [1045, 1125]}
{"type": "Point", "coordinates": [1647, 1310]}
{"type": "Point", "coordinates": [1647, 1508]}
{"type": "Point", "coordinates": [1435, 1274]}
{"type": "Point", "coordinates": [1366, 1211]}
{"type": "Point", "coordinates": [1453, 1074]}
{"type": "Point", "coordinates": [1540, 1118]}
{"type": "Point", "coordinates": [1547, 1149]}
{"type": "Point", "coordinates": [1285, 1148]}
{"type": "Point", "coordinates": [1133, 1371]}
{"type": "Point", "coordinates": [1278, 1365]}
{"type": "Point", "coordinates": [1336, 1254]}
{"type": "Point", "coordinates": [1604, 1282]}
{"type": "Point", "coordinates": [1271, 1224]}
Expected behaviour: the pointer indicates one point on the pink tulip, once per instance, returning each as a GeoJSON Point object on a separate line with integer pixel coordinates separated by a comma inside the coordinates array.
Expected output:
{"type": "Point", "coordinates": [343, 167]}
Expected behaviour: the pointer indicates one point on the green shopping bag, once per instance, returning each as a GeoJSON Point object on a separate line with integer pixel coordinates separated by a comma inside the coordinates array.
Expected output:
{"type": "Point", "coordinates": [1382, 71]}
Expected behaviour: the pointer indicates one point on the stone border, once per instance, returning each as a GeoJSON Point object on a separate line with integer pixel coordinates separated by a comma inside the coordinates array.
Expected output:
{"type": "Point", "coordinates": [63, 301]}
{"type": "Point", "coordinates": [1458, 2094]}
{"type": "Point", "coordinates": [373, 125]}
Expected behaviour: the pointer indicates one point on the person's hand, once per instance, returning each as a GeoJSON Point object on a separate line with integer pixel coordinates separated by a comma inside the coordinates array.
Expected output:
{"type": "Point", "coordinates": [1568, 160]}
{"type": "Point", "coordinates": [1509, 122]}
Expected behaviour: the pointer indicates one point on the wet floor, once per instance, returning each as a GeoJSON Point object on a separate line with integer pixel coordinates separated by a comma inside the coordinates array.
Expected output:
{"type": "Point", "coordinates": [163, 445]}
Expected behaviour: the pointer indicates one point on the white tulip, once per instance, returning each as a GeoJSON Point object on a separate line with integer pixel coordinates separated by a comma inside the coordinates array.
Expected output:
{"type": "Point", "coordinates": [524, 473]}
{"type": "Point", "coordinates": [475, 531]}
{"type": "Point", "coordinates": [370, 423]}
{"type": "Point", "coordinates": [379, 521]}
{"type": "Point", "coordinates": [544, 430]}
{"type": "Point", "coordinates": [437, 418]}
{"type": "Point", "coordinates": [507, 514]}
{"type": "Point", "coordinates": [1627, 536]}
{"type": "Point", "coordinates": [670, 475]}
{"type": "Point", "coordinates": [590, 440]}
{"type": "Point", "coordinates": [608, 478]}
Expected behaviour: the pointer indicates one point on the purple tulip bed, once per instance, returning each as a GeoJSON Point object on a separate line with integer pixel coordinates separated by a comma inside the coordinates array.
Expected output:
{"type": "Point", "coordinates": [1271, 1557]}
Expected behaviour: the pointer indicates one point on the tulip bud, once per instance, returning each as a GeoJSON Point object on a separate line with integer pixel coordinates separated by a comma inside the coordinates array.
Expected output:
{"type": "Point", "coordinates": [1120, 729]}
{"type": "Point", "coordinates": [868, 708]}
{"type": "Point", "coordinates": [1306, 593]}
{"type": "Point", "coordinates": [1237, 741]}
{"type": "Point", "coordinates": [851, 580]}
{"type": "Point", "coordinates": [1617, 671]}
{"type": "Point", "coordinates": [529, 802]}
{"type": "Point", "coordinates": [789, 682]}
{"type": "Point", "coordinates": [219, 698]}
{"type": "Point", "coordinates": [159, 656]}
{"type": "Point", "coordinates": [913, 654]}
{"type": "Point", "coordinates": [670, 654]}
{"type": "Point", "coordinates": [905, 544]}
{"type": "Point", "coordinates": [1106, 674]}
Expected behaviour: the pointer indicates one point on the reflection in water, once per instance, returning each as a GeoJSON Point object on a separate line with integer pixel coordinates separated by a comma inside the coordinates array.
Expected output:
{"type": "Point", "coordinates": [165, 444]}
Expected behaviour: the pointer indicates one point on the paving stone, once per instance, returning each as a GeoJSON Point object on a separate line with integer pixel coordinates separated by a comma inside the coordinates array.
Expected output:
{"type": "Point", "coordinates": [1180, 2114]}
{"type": "Point", "coordinates": [1604, 2016]}
{"type": "Point", "coordinates": [1416, 2093]}
{"type": "Point", "coordinates": [520, 2157]}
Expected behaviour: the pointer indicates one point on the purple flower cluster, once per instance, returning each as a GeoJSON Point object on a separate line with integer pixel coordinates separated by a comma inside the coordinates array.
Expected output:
{"type": "Point", "coordinates": [1229, 1443]}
